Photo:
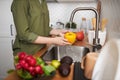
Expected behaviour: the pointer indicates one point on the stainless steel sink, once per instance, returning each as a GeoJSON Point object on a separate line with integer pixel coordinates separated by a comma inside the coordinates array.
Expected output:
{"type": "Point", "coordinates": [57, 52]}
{"type": "Point", "coordinates": [50, 54]}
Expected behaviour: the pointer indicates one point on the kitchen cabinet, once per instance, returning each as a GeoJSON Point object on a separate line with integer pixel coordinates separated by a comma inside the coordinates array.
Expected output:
{"type": "Point", "coordinates": [6, 57]}
{"type": "Point", "coordinates": [6, 20]}
{"type": "Point", "coordinates": [7, 36]}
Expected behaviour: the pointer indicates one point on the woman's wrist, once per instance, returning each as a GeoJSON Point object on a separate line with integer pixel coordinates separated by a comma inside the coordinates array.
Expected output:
{"type": "Point", "coordinates": [44, 40]}
{"type": "Point", "coordinates": [52, 40]}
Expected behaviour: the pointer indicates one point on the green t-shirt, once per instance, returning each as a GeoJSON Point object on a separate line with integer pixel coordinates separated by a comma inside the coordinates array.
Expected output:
{"type": "Point", "coordinates": [31, 19]}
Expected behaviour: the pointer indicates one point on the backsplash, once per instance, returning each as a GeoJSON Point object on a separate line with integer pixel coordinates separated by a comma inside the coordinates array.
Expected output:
{"type": "Point", "coordinates": [62, 12]}
{"type": "Point", "coordinates": [110, 10]}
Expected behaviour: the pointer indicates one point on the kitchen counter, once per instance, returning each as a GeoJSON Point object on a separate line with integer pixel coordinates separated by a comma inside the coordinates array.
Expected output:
{"type": "Point", "coordinates": [13, 75]}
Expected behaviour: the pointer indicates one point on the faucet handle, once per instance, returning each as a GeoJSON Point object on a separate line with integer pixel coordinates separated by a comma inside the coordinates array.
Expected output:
{"type": "Point", "coordinates": [96, 41]}
{"type": "Point", "coordinates": [96, 47]}
{"type": "Point", "coordinates": [60, 24]}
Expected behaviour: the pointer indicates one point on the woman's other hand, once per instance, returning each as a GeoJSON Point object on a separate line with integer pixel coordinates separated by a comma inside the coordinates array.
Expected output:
{"type": "Point", "coordinates": [58, 32]}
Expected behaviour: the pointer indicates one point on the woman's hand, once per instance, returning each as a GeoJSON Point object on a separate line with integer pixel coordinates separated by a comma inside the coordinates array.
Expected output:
{"type": "Point", "coordinates": [59, 32]}
{"type": "Point", "coordinates": [60, 41]}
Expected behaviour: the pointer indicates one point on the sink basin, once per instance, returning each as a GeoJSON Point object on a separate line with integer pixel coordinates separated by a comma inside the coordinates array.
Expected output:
{"type": "Point", "coordinates": [57, 52]}
{"type": "Point", "coordinates": [50, 54]}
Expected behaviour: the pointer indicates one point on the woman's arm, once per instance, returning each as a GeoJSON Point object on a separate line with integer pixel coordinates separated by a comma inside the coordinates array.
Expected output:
{"type": "Point", "coordinates": [19, 10]}
{"type": "Point", "coordinates": [53, 40]}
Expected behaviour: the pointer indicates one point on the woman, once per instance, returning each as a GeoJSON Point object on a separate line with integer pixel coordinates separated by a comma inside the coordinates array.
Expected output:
{"type": "Point", "coordinates": [31, 19]}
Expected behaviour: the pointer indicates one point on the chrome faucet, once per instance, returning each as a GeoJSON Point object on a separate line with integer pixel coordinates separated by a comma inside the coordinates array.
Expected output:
{"type": "Point", "coordinates": [96, 40]}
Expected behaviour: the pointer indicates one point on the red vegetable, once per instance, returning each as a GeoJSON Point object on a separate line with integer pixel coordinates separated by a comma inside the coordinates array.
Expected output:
{"type": "Point", "coordinates": [80, 35]}
{"type": "Point", "coordinates": [22, 62]}
{"type": "Point", "coordinates": [33, 73]}
{"type": "Point", "coordinates": [38, 69]}
{"type": "Point", "coordinates": [26, 66]}
{"type": "Point", "coordinates": [31, 69]}
{"type": "Point", "coordinates": [21, 55]}
{"type": "Point", "coordinates": [18, 66]}
{"type": "Point", "coordinates": [28, 58]}
{"type": "Point", "coordinates": [32, 62]}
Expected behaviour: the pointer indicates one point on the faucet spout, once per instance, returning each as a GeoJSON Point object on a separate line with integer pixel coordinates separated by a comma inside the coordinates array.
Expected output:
{"type": "Point", "coordinates": [96, 40]}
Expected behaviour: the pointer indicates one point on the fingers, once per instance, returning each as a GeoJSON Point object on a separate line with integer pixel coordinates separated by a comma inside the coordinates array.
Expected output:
{"type": "Point", "coordinates": [65, 41]}
{"type": "Point", "coordinates": [61, 41]}
{"type": "Point", "coordinates": [61, 34]}
{"type": "Point", "coordinates": [65, 31]}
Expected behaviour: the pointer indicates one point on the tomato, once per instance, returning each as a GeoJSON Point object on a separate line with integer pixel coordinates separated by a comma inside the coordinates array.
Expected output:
{"type": "Point", "coordinates": [70, 36]}
{"type": "Point", "coordinates": [80, 36]}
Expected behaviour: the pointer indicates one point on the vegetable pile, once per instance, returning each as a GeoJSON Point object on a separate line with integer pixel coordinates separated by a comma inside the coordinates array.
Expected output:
{"type": "Point", "coordinates": [28, 67]}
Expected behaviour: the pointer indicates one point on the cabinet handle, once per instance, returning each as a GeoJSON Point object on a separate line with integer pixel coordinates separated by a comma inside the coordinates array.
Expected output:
{"type": "Point", "coordinates": [12, 42]}
{"type": "Point", "coordinates": [11, 29]}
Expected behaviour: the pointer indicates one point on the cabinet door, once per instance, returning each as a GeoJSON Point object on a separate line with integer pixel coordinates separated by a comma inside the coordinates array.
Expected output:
{"type": "Point", "coordinates": [6, 56]}
{"type": "Point", "coordinates": [6, 19]}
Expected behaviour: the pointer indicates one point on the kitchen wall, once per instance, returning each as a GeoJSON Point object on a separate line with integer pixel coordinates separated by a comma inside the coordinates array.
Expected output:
{"type": "Point", "coordinates": [111, 11]}
{"type": "Point", "coordinates": [62, 11]}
